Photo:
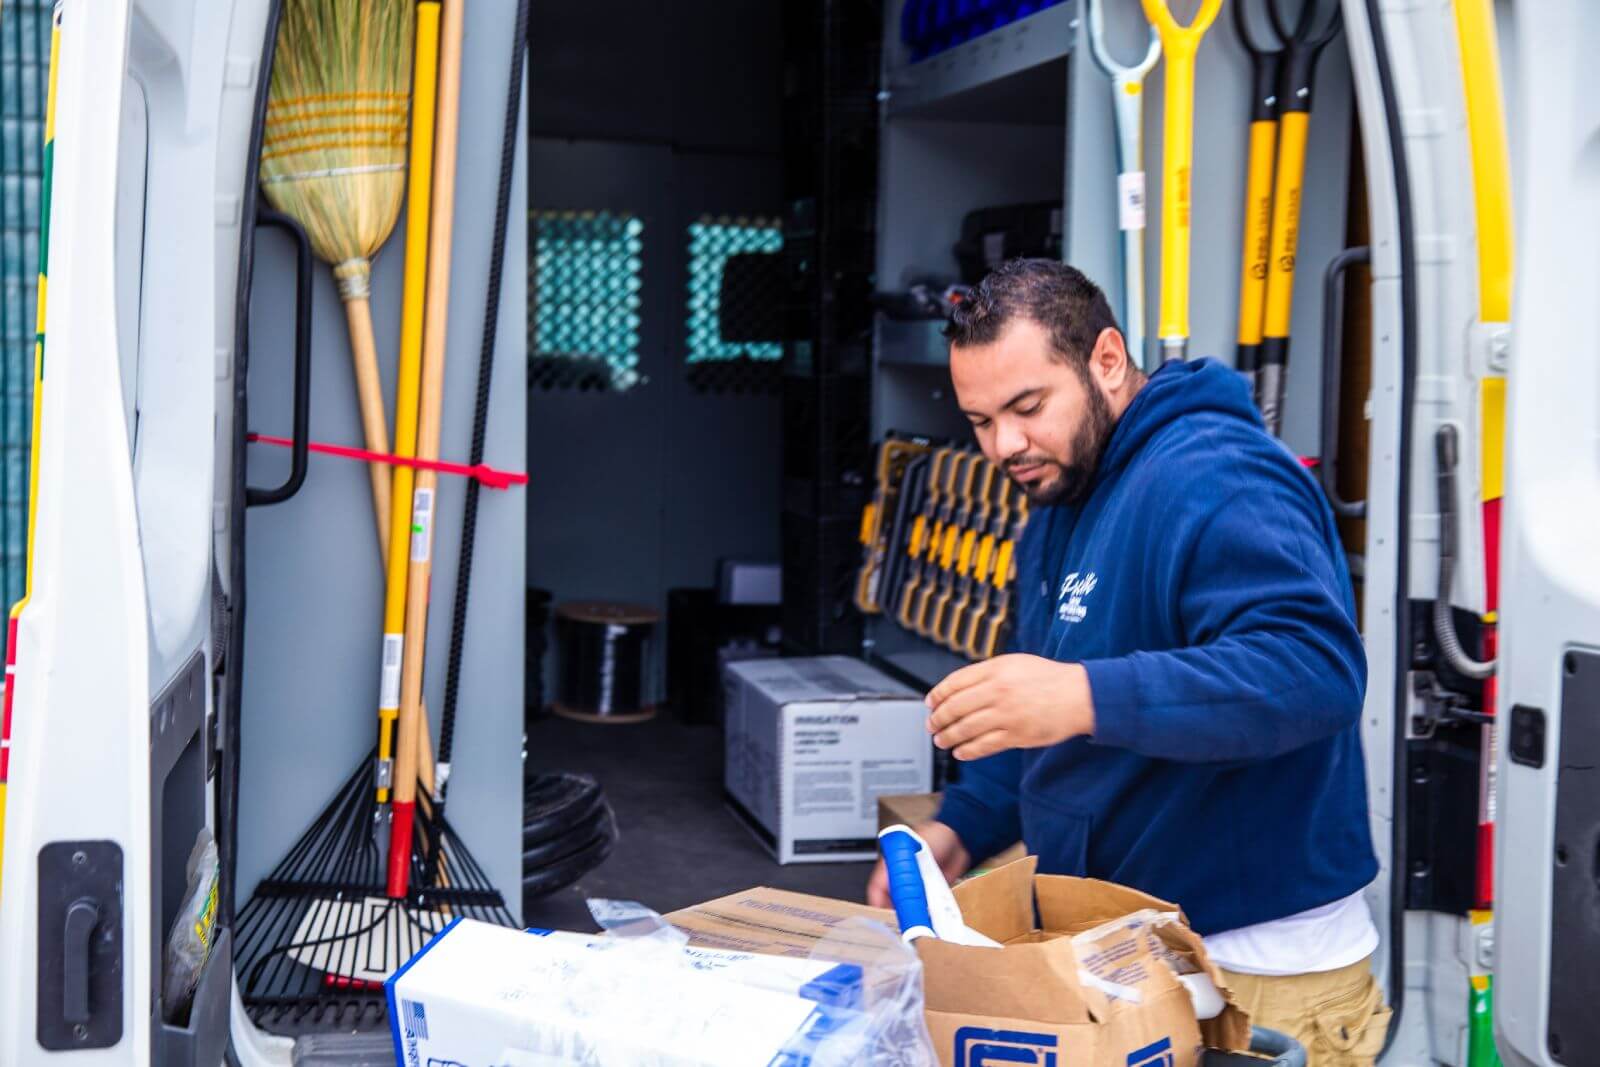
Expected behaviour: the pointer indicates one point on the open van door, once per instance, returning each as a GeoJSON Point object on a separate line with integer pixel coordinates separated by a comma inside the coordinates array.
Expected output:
{"type": "Point", "coordinates": [1548, 855]}
{"type": "Point", "coordinates": [116, 745]}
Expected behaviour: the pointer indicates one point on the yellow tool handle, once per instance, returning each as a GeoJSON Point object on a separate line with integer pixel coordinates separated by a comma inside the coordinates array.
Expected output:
{"type": "Point", "coordinates": [1257, 231]}
{"type": "Point", "coordinates": [1179, 45]}
{"type": "Point", "coordinates": [869, 523]}
{"type": "Point", "coordinates": [1176, 168]}
{"type": "Point", "coordinates": [947, 552]}
{"type": "Point", "coordinates": [985, 557]}
{"type": "Point", "coordinates": [430, 406]}
{"type": "Point", "coordinates": [419, 194]}
{"type": "Point", "coordinates": [1002, 564]}
{"type": "Point", "coordinates": [969, 541]}
{"type": "Point", "coordinates": [1295, 126]}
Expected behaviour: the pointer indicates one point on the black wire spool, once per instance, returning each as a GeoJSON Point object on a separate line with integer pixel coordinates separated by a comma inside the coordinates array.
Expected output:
{"type": "Point", "coordinates": [604, 652]}
{"type": "Point", "coordinates": [567, 831]}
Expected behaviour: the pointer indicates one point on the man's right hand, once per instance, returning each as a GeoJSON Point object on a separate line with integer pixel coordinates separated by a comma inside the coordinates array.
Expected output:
{"type": "Point", "coordinates": [948, 852]}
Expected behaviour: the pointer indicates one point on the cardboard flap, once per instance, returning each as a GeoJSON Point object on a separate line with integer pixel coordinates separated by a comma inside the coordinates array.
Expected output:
{"type": "Point", "coordinates": [999, 904]}
{"type": "Point", "coordinates": [1074, 903]}
{"type": "Point", "coordinates": [1038, 981]}
{"type": "Point", "coordinates": [1231, 1029]}
{"type": "Point", "coordinates": [771, 921]}
{"type": "Point", "coordinates": [820, 678]}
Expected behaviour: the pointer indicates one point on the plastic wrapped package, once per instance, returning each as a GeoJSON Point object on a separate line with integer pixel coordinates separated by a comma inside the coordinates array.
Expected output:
{"type": "Point", "coordinates": [190, 939]}
{"type": "Point", "coordinates": [640, 996]}
{"type": "Point", "coordinates": [344, 1050]}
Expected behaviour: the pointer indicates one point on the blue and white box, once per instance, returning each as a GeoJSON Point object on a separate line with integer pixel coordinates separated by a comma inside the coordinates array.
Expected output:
{"type": "Point", "coordinates": [485, 996]}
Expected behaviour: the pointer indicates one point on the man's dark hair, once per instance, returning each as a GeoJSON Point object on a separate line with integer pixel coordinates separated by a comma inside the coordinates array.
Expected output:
{"type": "Point", "coordinates": [1058, 297]}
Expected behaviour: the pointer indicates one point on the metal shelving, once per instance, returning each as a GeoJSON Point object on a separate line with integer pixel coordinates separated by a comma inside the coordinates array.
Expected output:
{"type": "Point", "coordinates": [925, 667]}
{"type": "Point", "coordinates": [910, 344]}
{"type": "Point", "coordinates": [1020, 65]}
{"type": "Point", "coordinates": [982, 124]}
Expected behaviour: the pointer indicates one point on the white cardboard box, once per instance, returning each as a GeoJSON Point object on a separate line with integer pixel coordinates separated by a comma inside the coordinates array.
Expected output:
{"type": "Point", "coordinates": [481, 995]}
{"type": "Point", "coordinates": [812, 744]}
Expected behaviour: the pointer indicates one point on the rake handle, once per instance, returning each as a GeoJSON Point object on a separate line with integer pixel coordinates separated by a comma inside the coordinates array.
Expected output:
{"type": "Point", "coordinates": [418, 204]}
{"type": "Point", "coordinates": [434, 330]}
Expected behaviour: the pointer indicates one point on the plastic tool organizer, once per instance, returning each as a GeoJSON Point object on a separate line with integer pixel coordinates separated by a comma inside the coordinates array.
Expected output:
{"type": "Point", "coordinates": [929, 27]}
{"type": "Point", "coordinates": [938, 544]}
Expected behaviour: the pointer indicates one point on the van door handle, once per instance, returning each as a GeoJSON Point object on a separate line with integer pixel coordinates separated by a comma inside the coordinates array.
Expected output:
{"type": "Point", "coordinates": [1332, 342]}
{"type": "Point", "coordinates": [83, 916]}
{"type": "Point", "coordinates": [254, 497]}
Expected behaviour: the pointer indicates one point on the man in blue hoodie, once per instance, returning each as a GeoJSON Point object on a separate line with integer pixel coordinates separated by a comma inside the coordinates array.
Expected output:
{"type": "Point", "coordinates": [1179, 707]}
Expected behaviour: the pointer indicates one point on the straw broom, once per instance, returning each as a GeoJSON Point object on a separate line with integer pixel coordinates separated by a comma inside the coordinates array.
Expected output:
{"type": "Point", "coordinates": [321, 925]}
{"type": "Point", "coordinates": [333, 155]}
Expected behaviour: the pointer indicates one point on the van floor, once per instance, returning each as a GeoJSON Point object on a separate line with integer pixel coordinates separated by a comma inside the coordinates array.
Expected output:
{"type": "Point", "coordinates": [678, 843]}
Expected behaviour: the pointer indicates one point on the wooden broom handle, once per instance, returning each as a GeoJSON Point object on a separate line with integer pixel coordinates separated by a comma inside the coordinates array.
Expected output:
{"type": "Point", "coordinates": [436, 308]}
{"type": "Point", "coordinates": [374, 422]}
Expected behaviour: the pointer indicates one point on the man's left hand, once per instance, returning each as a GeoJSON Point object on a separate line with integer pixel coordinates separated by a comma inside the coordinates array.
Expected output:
{"type": "Point", "coordinates": [1012, 701]}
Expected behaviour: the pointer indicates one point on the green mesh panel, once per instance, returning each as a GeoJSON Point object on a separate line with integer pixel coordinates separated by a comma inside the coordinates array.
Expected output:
{"type": "Point", "coordinates": [24, 79]}
{"type": "Point", "coordinates": [584, 286]}
{"type": "Point", "coordinates": [711, 243]}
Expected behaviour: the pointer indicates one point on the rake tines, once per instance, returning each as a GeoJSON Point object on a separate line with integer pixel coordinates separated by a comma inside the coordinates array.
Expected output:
{"type": "Point", "coordinates": [319, 935]}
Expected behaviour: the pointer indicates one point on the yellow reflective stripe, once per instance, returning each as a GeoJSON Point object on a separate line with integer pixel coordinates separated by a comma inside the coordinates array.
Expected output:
{"type": "Point", "coordinates": [947, 552]}
{"type": "Point", "coordinates": [50, 92]}
{"type": "Point", "coordinates": [919, 529]}
{"type": "Point", "coordinates": [1491, 168]}
{"type": "Point", "coordinates": [1492, 399]}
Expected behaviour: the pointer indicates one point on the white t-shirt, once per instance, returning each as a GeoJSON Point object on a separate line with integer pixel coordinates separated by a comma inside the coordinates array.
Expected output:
{"type": "Point", "coordinates": [1323, 939]}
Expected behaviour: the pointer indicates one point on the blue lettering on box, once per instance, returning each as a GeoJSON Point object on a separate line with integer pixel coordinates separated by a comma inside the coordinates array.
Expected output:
{"type": "Point", "coordinates": [1158, 1054]}
{"type": "Point", "coordinates": [976, 1047]}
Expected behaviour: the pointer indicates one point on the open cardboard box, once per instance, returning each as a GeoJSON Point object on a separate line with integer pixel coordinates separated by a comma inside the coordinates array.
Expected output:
{"type": "Point", "coordinates": [912, 809]}
{"type": "Point", "coordinates": [1041, 999]}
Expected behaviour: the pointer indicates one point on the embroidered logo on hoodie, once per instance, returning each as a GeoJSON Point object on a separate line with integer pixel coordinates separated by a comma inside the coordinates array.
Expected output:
{"type": "Point", "coordinates": [1074, 589]}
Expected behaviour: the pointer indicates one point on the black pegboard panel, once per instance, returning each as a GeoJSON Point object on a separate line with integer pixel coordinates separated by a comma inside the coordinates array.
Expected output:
{"type": "Point", "coordinates": [585, 280]}
{"type": "Point", "coordinates": [820, 560]}
{"type": "Point", "coordinates": [737, 291]}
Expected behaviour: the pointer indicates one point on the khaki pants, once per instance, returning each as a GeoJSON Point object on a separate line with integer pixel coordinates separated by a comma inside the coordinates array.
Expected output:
{"type": "Point", "coordinates": [1339, 1016]}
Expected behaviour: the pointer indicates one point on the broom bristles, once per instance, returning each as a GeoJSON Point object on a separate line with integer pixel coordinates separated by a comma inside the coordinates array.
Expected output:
{"type": "Point", "coordinates": [333, 154]}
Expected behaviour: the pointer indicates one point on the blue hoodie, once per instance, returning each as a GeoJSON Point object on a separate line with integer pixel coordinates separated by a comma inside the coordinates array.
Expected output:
{"type": "Point", "coordinates": [1202, 585]}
